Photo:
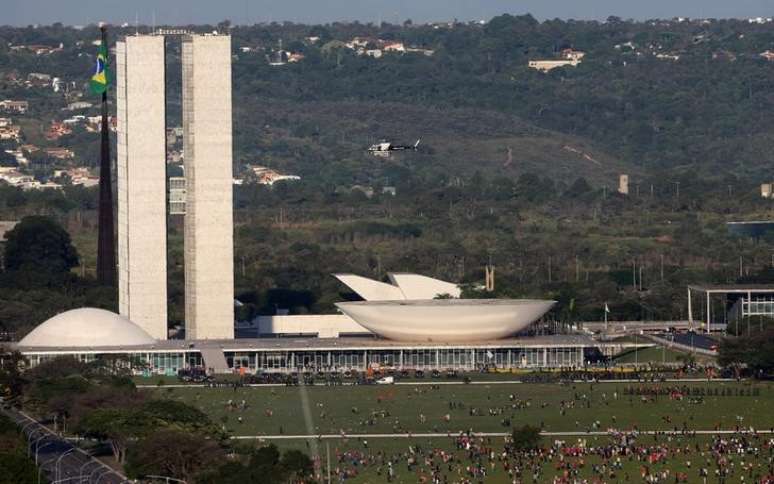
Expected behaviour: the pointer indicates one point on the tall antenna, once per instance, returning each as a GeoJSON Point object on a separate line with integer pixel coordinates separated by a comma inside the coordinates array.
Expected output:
{"type": "Point", "coordinates": [136, 23]}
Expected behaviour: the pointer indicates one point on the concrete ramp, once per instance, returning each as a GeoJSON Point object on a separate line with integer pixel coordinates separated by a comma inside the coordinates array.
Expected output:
{"type": "Point", "coordinates": [214, 360]}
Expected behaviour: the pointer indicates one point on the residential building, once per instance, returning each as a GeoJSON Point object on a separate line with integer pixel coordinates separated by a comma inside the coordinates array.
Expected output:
{"type": "Point", "coordinates": [623, 184]}
{"type": "Point", "coordinates": [78, 105]}
{"type": "Point", "coordinates": [18, 107]}
{"type": "Point", "coordinates": [549, 65]}
{"type": "Point", "coordinates": [767, 190]}
{"type": "Point", "coordinates": [394, 47]}
{"type": "Point", "coordinates": [267, 176]}
{"type": "Point", "coordinates": [10, 132]}
{"type": "Point", "coordinates": [57, 130]}
{"type": "Point", "coordinates": [59, 153]}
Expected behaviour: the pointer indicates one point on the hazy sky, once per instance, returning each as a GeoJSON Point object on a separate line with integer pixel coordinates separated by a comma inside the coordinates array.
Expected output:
{"type": "Point", "coordinates": [80, 12]}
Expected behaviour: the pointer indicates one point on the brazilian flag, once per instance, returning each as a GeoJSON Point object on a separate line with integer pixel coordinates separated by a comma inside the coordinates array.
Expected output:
{"type": "Point", "coordinates": [101, 78]}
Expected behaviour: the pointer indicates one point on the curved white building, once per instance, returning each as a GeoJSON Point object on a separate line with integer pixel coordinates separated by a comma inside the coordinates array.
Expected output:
{"type": "Point", "coordinates": [408, 311]}
{"type": "Point", "coordinates": [86, 328]}
{"type": "Point", "coordinates": [405, 286]}
{"type": "Point", "coordinates": [446, 320]}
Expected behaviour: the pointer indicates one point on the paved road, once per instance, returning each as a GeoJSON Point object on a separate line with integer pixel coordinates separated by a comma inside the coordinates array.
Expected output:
{"type": "Point", "coordinates": [485, 434]}
{"type": "Point", "coordinates": [59, 460]}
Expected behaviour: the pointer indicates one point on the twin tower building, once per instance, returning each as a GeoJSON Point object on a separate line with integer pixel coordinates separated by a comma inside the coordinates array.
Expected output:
{"type": "Point", "coordinates": [142, 184]}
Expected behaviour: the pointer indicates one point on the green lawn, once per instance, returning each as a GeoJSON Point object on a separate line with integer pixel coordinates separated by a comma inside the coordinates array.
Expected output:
{"type": "Point", "coordinates": [656, 354]}
{"type": "Point", "coordinates": [344, 454]}
{"type": "Point", "coordinates": [414, 408]}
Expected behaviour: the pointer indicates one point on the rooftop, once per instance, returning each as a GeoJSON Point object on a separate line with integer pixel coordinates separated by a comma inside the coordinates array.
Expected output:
{"type": "Point", "coordinates": [315, 344]}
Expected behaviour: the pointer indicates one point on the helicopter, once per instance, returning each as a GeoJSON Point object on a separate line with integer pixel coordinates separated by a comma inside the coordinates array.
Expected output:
{"type": "Point", "coordinates": [384, 148]}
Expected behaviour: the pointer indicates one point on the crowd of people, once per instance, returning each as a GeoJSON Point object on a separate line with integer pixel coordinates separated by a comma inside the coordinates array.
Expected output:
{"type": "Point", "coordinates": [620, 457]}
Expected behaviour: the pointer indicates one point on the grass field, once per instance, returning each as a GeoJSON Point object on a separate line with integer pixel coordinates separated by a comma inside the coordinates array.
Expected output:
{"type": "Point", "coordinates": [423, 408]}
{"type": "Point", "coordinates": [344, 454]}
{"type": "Point", "coordinates": [482, 408]}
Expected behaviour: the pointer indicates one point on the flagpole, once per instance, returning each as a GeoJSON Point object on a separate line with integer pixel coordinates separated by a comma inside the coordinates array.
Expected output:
{"type": "Point", "coordinates": [106, 256]}
{"type": "Point", "coordinates": [605, 317]}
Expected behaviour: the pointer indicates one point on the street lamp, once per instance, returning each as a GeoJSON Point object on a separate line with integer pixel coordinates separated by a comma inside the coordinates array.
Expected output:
{"type": "Point", "coordinates": [37, 449]}
{"type": "Point", "coordinates": [167, 479]}
{"type": "Point", "coordinates": [43, 465]}
{"type": "Point", "coordinates": [24, 427]}
{"type": "Point", "coordinates": [92, 472]}
{"type": "Point", "coordinates": [34, 442]}
{"type": "Point", "coordinates": [84, 466]}
{"type": "Point", "coordinates": [59, 460]}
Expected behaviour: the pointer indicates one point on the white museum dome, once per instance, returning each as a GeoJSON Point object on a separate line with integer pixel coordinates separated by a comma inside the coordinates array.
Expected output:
{"type": "Point", "coordinates": [87, 327]}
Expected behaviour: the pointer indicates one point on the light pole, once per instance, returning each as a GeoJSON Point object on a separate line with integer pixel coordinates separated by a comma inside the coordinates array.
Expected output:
{"type": "Point", "coordinates": [92, 472]}
{"type": "Point", "coordinates": [84, 466]}
{"type": "Point", "coordinates": [43, 465]}
{"type": "Point", "coordinates": [59, 461]}
{"type": "Point", "coordinates": [34, 442]}
{"type": "Point", "coordinates": [24, 427]}
{"type": "Point", "coordinates": [167, 479]}
{"type": "Point", "coordinates": [37, 449]}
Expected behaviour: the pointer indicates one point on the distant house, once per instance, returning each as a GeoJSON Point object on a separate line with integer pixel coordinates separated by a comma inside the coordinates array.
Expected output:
{"type": "Point", "coordinates": [768, 55]}
{"type": "Point", "coordinates": [18, 107]}
{"type": "Point", "coordinates": [268, 176]}
{"type": "Point", "coordinates": [548, 65]}
{"type": "Point", "coordinates": [672, 57]}
{"type": "Point", "coordinates": [569, 57]}
{"type": "Point", "coordinates": [78, 105]}
{"type": "Point", "coordinates": [10, 132]}
{"type": "Point", "coordinates": [59, 153]}
{"type": "Point", "coordinates": [572, 54]}
{"type": "Point", "coordinates": [57, 130]}
{"type": "Point", "coordinates": [394, 47]}
{"type": "Point", "coordinates": [37, 49]}
{"type": "Point", "coordinates": [78, 176]}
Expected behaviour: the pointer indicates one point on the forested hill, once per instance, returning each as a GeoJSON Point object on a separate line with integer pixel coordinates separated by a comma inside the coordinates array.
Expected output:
{"type": "Point", "coordinates": [667, 95]}
{"type": "Point", "coordinates": [693, 97]}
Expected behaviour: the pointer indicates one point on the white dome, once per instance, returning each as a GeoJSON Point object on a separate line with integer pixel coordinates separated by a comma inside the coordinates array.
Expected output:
{"type": "Point", "coordinates": [87, 327]}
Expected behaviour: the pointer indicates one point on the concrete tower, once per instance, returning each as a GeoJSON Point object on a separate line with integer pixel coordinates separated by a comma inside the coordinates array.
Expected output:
{"type": "Point", "coordinates": [141, 166]}
{"type": "Point", "coordinates": [209, 245]}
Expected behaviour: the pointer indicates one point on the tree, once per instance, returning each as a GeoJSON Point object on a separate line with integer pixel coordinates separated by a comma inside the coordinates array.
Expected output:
{"type": "Point", "coordinates": [755, 351]}
{"type": "Point", "coordinates": [39, 249]}
{"type": "Point", "coordinates": [265, 465]}
{"type": "Point", "coordinates": [172, 453]}
{"type": "Point", "coordinates": [525, 438]}
{"type": "Point", "coordinates": [11, 380]}
{"type": "Point", "coordinates": [296, 464]}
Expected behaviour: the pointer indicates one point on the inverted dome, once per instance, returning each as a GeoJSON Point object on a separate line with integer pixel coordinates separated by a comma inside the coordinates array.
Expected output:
{"type": "Point", "coordinates": [446, 320]}
{"type": "Point", "coordinates": [87, 327]}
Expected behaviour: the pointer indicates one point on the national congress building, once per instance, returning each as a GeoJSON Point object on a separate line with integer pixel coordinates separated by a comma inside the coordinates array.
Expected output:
{"type": "Point", "coordinates": [412, 322]}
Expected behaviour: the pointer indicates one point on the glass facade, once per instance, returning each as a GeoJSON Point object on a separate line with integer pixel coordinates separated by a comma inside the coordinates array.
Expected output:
{"type": "Point", "coordinates": [264, 360]}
